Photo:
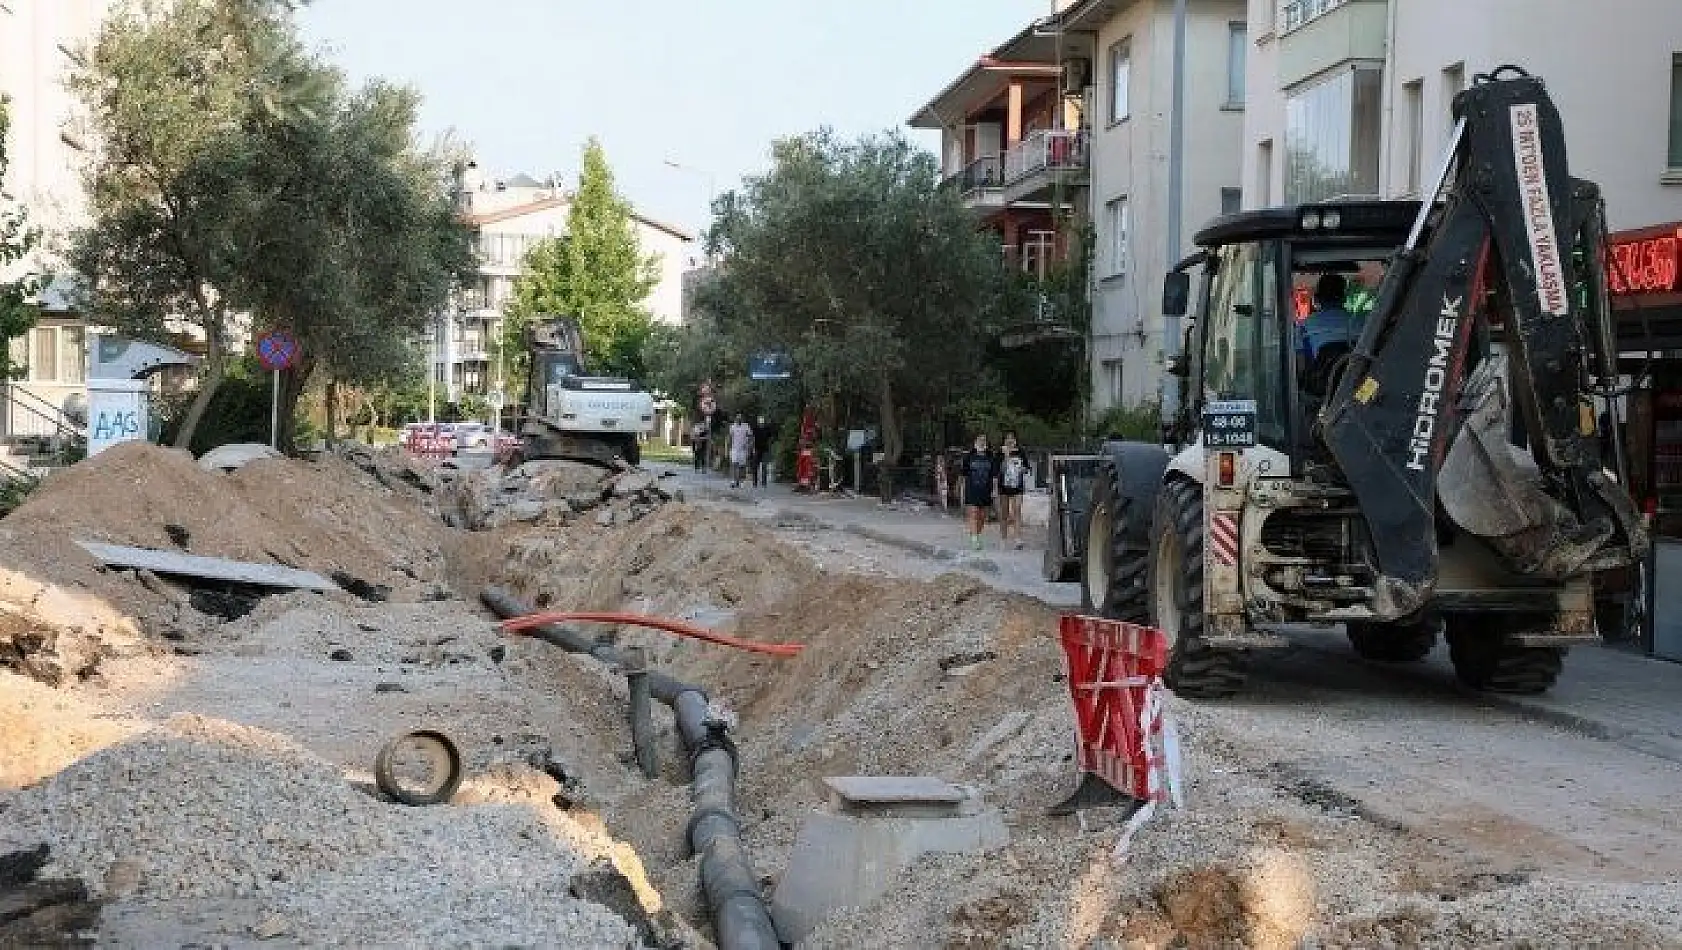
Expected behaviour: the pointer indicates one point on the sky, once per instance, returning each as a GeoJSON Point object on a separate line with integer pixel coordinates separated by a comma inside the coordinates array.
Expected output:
{"type": "Point", "coordinates": [708, 84]}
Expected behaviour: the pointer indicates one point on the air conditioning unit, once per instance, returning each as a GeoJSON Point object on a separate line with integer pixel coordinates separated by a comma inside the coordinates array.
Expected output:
{"type": "Point", "coordinates": [1077, 75]}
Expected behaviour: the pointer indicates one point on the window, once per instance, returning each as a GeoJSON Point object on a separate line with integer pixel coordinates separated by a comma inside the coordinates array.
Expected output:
{"type": "Point", "coordinates": [1235, 40]}
{"type": "Point", "coordinates": [1332, 130]}
{"type": "Point", "coordinates": [72, 363]}
{"type": "Point", "coordinates": [1242, 344]}
{"type": "Point", "coordinates": [1264, 173]}
{"type": "Point", "coordinates": [1113, 380]}
{"type": "Point", "coordinates": [43, 354]}
{"type": "Point", "coordinates": [1232, 199]}
{"type": "Point", "coordinates": [1454, 80]}
{"type": "Point", "coordinates": [1413, 104]}
{"type": "Point", "coordinates": [1676, 111]}
{"type": "Point", "coordinates": [1118, 255]}
{"type": "Point", "coordinates": [1121, 68]}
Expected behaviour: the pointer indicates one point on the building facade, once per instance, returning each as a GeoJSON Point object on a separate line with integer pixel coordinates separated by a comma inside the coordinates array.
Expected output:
{"type": "Point", "coordinates": [46, 143]}
{"type": "Point", "coordinates": [1355, 96]}
{"type": "Point", "coordinates": [1066, 126]}
{"type": "Point", "coordinates": [509, 218]}
{"type": "Point", "coordinates": [1130, 104]}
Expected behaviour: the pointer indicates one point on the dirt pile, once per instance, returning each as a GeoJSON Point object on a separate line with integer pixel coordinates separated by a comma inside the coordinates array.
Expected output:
{"type": "Point", "coordinates": [200, 809]}
{"type": "Point", "coordinates": [952, 678]}
{"type": "Point", "coordinates": [553, 492]}
{"type": "Point", "coordinates": [61, 611]}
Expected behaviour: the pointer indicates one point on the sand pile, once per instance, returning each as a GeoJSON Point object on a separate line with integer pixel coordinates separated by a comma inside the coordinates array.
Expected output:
{"type": "Point", "coordinates": [66, 611]}
{"type": "Point", "coordinates": [200, 811]}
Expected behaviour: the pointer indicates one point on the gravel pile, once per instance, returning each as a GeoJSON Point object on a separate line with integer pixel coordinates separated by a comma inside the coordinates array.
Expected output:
{"type": "Point", "coordinates": [200, 812]}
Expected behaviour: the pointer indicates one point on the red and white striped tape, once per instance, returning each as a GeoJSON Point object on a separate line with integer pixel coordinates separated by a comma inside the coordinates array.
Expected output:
{"type": "Point", "coordinates": [1223, 538]}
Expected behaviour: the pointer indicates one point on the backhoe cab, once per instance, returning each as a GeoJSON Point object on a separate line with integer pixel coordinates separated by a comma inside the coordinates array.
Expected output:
{"type": "Point", "coordinates": [1387, 423]}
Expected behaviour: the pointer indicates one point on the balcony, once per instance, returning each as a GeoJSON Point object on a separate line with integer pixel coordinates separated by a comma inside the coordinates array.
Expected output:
{"type": "Point", "coordinates": [1323, 34]}
{"type": "Point", "coordinates": [981, 182]}
{"type": "Point", "coordinates": [1042, 161]}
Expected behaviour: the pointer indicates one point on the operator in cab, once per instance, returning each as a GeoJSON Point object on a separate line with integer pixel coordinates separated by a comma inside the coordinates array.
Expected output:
{"type": "Point", "coordinates": [1330, 322]}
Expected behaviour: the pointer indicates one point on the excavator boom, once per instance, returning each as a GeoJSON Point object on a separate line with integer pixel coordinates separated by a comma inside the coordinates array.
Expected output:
{"type": "Point", "coordinates": [1494, 311]}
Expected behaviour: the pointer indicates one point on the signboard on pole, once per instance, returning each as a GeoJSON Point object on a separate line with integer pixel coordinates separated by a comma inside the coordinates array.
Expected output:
{"type": "Point", "coordinates": [770, 364]}
{"type": "Point", "coordinates": [276, 350]}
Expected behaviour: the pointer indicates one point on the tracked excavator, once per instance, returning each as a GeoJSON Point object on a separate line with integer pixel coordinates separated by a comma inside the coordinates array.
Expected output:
{"type": "Point", "coordinates": [1437, 473]}
{"type": "Point", "coordinates": [571, 415]}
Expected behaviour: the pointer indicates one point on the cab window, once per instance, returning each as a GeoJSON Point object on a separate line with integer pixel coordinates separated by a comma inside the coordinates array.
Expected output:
{"type": "Point", "coordinates": [1242, 346]}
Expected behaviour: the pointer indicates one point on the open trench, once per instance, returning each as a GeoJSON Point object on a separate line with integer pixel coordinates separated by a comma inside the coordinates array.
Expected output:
{"type": "Point", "coordinates": [1284, 838]}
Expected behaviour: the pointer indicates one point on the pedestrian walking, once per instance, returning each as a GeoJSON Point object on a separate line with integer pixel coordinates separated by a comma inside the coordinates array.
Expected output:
{"type": "Point", "coordinates": [1013, 481]}
{"type": "Point", "coordinates": [764, 436]}
{"type": "Point", "coordinates": [980, 472]}
{"type": "Point", "coordinates": [698, 444]}
{"type": "Point", "coordinates": [741, 447]}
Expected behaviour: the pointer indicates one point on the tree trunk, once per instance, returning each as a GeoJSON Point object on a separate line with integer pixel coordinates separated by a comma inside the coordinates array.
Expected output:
{"type": "Point", "coordinates": [216, 370]}
{"type": "Point", "coordinates": [332, 410]}
{"type": "Point", "coordinates": [292, 386]}
{"type": "Point", "coordinates": [888, 418]}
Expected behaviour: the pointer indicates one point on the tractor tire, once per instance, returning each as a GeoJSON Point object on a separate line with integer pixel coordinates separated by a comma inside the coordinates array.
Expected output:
{"type": "Point", "coordinates": [1484, 660]}
{"type": "Point", "coordinates": [1053, 567]}
{"type": "Point", "coordinates": [1393, 642]}
{"type": "Point", "coordinates": [1174, 585]}
{"type": "Point", "coordinates": [633, 450]}
{"type": "Point", "coordinates": [1113, 568]}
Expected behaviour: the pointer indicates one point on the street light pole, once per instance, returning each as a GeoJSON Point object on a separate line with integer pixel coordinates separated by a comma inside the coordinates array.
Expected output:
{"type": "Point", "coordinates": [1176, 192]}
{"type": "Point", "coordinates": [712, 184]}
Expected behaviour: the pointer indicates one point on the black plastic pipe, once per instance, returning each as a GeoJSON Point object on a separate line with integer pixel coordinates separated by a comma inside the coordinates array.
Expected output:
{"type": "Point", "coordinates": [740, 919]}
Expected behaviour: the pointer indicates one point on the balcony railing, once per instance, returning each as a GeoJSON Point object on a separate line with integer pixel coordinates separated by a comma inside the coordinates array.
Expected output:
{"type": "Point", "coordinates": [1046, 150]}
{"type": "Point", "coordinates": [981, 175]}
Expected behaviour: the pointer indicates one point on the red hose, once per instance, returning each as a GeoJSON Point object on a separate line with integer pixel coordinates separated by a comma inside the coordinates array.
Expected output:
{"type": "Point", "coordinates": [527, 622]}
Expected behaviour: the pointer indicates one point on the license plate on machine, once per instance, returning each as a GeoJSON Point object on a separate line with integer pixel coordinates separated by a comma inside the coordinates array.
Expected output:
{"type": "Point", "coordinates": [1229, 424]}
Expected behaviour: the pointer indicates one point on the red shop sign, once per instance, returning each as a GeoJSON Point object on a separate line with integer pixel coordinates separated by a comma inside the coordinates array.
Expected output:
{"type": "Point", "coordinates": [1646, 265]}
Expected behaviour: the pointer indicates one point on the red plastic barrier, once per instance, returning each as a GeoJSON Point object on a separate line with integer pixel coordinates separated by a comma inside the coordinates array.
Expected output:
{"type": "Point", "coordinates": [1114, 670]}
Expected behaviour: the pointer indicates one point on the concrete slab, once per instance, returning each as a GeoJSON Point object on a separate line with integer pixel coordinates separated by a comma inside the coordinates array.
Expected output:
{"type": "Point", "coordinates": [208, 568]}
{"type": "Point", "coordinates": [850, 861]}
{"type": "Point", "coordinates": [897, 795]}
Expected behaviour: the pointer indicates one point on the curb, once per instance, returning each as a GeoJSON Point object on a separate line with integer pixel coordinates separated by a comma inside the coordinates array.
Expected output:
{"type": "Point", "coordinates": [926, 549]}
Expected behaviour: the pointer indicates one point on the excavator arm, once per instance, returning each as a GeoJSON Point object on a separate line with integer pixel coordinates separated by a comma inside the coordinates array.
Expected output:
{"type": "Point", "coordinates": [1514, 242]}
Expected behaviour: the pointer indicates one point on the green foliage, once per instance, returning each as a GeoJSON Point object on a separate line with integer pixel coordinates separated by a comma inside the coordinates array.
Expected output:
{"type": "Point", "coordinates": [874, 277]}
{"type": "Point", "coordinates": [595, 272]}
{"type": "Point", "coordinates": [239, 412]}
{"type": "Point", "coordinates": [17, 239]}
{"type": "Point", "coordinates": [238, 174]}
{"type": "Point", "coordinates": [1142, 423]}
{"type": "Point", "coordinates": [14, 491]}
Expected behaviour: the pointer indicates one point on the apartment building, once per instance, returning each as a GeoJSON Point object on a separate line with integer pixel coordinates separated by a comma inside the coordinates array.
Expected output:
{"type": "Point", "coordinates": [1013, 145]}
{"type": "Point", "coordinates": [46, 144]}
{"type": "Point", "coordinates": [1067, 123]}
{"type": "Point", "coordinates": [511, 216]}
{"type": "Point", "coordinates": [1129, 104]}
{"type": "Point", "coordinates": [1354, 96]}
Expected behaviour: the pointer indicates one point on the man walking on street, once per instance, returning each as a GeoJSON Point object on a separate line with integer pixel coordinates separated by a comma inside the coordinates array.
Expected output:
{"type": "Point", "coordinates": [698, 444]}
{"type": "Point", "coordinates": [741, 446]}
{"type": "Point", "coordinates": [980, 473]}
{"type": "Point", "coordinates": [764, 434]}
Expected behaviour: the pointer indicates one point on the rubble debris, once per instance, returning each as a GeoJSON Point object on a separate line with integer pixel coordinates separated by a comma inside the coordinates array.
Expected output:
{"type": "Point", "coordinates": [549, 491]}
{"type": "Point", "coordinates": [341, 655]}
{"type": "Point", "coordinates": [42, 913]}
{"type": "Point", "coordinates": [390, 688]}
{"type": "Point", "coordinates": [959, 664]}
{"type": "Point", "coordinates": [228, 458]}
{"type": "Point", "coordinates": [361, 589]}
{"type": "Point", "coordinates": [226, 601]}
{"type": "Point", "coordinates": [178, 534]}
{"type": "Point", "coordinates": [206, 568]}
